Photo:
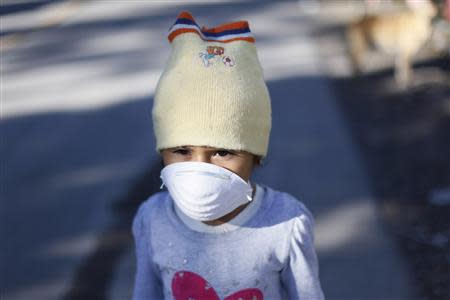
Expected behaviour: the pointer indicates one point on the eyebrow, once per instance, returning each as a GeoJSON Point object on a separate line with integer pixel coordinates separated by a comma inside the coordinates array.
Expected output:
{"type": "Point", "coordinates": [208, 149]}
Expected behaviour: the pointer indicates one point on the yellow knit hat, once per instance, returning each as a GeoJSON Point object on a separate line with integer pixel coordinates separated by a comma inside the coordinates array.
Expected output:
{"type": "Point", "coordinates": [212, 91]}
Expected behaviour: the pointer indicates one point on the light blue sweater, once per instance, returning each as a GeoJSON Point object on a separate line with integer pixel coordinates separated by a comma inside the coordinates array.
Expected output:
{"type": "Point", "coordinates": [269, 256]}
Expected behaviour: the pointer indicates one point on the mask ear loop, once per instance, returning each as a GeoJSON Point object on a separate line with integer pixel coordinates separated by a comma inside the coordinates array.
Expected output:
{"type": "Point", "coordinates": [162, 185]}
{"type": "Point", "coordinates": [250, 197]}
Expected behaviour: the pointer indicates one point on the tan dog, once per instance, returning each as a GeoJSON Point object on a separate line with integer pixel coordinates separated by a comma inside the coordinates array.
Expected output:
{"type": "Point", "coordinates": [399, 34]}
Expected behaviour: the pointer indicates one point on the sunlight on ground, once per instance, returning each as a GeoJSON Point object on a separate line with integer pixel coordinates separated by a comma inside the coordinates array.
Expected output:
{"type": "Point", "coordinates": [348, 225]}
{"type": "Point", "coordinates": [91, 176]}
{"type": "Point", "coordinates": [43, 290]}
{"type": "Point", "coordinates": [77, 247]}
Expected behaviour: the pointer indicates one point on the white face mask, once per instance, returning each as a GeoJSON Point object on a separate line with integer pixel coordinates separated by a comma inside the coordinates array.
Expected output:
{"type": "Point", "coordinates": [205, 191]}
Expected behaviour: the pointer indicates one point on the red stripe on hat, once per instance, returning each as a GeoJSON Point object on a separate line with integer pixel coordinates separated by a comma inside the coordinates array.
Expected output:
{"type": "Point", "coordinates": [185, 15]}
{"type": "Point", "coordinates": [227, 26]}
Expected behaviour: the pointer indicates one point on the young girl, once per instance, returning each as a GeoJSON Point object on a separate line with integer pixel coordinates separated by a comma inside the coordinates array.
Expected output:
{"type": "Point", "coordinates": [215, 234]}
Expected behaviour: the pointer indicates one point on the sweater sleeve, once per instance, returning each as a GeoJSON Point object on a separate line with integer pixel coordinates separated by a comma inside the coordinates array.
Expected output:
{"type": "Point", "coordinates": [147, 281]}
{"type": "Point", "coordinates": [301, 275]}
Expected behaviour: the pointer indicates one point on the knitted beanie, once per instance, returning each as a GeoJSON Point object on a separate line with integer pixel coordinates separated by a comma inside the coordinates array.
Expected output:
{"type": "Point", "coordinates": [212, 91]}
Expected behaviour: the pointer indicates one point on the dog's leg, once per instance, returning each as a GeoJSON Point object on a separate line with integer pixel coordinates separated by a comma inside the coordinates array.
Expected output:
{"type": "Point", "coordinates": [357, 47]}
{"type": "Point", "coordinates": [403, 71]}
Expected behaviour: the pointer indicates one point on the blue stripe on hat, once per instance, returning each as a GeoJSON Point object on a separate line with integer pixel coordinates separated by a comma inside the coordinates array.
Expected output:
{"type": "Point", "coordinates": [225, 32]}
{"type": "Point", "coordinates": [186, 21]}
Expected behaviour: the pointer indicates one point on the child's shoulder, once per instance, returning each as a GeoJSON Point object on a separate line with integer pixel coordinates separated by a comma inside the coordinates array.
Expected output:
{"type": "Point", "coordinates": [154, 204]}
{"type": "Point", "coordinates": [287, 204]}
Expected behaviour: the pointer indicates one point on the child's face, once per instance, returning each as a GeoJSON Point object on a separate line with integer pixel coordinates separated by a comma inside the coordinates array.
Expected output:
{"type": "Point", "coordinates": [238, 162]}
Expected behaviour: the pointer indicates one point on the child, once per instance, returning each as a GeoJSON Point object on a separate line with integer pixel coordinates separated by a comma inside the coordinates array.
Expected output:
{"type": "Point", "coordinates": [214, 234]}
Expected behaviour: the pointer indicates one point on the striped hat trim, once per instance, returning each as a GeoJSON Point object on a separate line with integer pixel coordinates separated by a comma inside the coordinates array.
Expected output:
{"type": "Point", "coordinates": [224, 33]}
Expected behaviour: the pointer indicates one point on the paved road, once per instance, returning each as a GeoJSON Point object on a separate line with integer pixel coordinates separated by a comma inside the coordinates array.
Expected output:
{"type": "Point", "coordinates": [77, 138]}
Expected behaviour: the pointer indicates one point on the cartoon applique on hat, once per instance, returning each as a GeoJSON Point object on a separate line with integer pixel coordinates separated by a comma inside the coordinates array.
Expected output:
{"type": "Point", "coordinates": [212, 91]}
{"type": "Point", "coordinates": [214, 52]}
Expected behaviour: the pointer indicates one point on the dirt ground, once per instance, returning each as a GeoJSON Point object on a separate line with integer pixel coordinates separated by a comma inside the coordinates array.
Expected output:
{"type": "Point", "coordinates": [404, 137]}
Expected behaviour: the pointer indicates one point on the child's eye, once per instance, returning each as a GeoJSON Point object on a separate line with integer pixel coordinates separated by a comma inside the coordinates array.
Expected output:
{"type": "Point", "coordinates": [181, 151]}
{"type": "Point", "coordinates": [224, 153]}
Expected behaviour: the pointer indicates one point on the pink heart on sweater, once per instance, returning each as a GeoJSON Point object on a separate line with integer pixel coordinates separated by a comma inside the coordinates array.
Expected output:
{"type": "Point", "coordinates": [189, 286]}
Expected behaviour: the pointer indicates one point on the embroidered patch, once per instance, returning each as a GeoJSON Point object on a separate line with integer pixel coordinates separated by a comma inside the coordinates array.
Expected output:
{"type": "Point", "coordinates": [214, 53]}
{"type": "Point", "coordinates": [228, 61]}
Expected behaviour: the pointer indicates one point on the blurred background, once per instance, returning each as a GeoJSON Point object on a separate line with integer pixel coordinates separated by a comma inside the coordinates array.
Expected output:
{"type": "Point", "coordinates": [367, 150]}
